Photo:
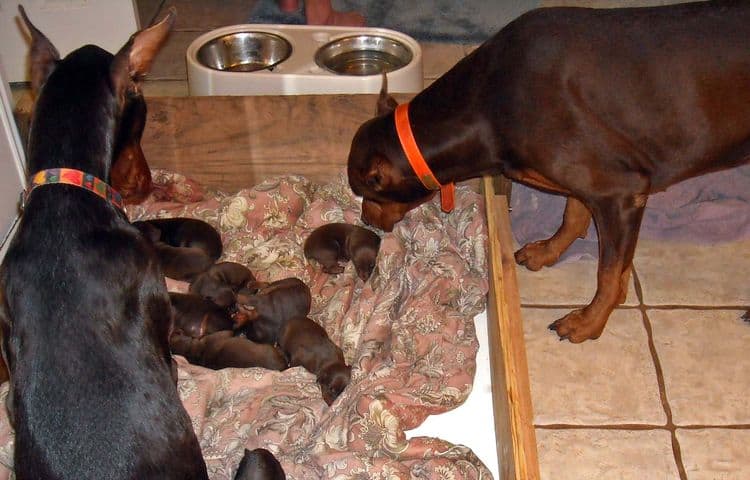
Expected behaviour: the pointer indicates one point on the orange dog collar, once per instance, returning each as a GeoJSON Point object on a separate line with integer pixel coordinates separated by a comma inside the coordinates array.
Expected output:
{"type": "Point", "coordinates": [417, 161]}
{"type": "Point", "coordinates": [77, 178]}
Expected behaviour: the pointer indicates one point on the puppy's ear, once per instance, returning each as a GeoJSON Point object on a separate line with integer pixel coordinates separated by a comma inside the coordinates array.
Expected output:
{"type": "Point", "coordinates": [386, 103]}
{"type": "Point", "coordinates": [43, 56]}
{"type": "Point", "coordinates": [381, 174]}
{"type": "Point", "coordinates": [134, 59]}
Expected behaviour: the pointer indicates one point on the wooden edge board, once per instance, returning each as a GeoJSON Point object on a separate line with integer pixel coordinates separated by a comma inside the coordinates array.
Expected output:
{"type": "Point", "coordinates": [511, 392]}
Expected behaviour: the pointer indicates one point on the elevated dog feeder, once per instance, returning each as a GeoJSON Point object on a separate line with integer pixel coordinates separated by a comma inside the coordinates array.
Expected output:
{"type": "Point", "coordinates": [261, 59]}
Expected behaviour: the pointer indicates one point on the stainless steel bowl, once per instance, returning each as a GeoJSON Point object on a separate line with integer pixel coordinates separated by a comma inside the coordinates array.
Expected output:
{"type": "Point", "coordinates": [363, 55]}
{"type": "Point", "coordinates": [244, 52]}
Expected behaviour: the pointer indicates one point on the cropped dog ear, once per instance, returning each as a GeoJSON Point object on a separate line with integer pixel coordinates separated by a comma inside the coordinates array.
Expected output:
{"type": "Point", "coordinates": [43, 56]}
{"type": "Point", "coordinates": [134, 59]}
{"type": "Point", "coordinates": [386, 103]}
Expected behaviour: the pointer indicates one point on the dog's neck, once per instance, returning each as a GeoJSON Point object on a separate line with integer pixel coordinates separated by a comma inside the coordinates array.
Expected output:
{"type": "Point", "coordinates": [74, 116]}
{"type": "Point", "coordinates": [451, 140]}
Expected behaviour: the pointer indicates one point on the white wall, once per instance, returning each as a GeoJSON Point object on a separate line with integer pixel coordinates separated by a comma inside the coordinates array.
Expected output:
{"type": "Point", "coordinates": [69, 24]}
{"type": "Point", "coordinates": [12, 176]}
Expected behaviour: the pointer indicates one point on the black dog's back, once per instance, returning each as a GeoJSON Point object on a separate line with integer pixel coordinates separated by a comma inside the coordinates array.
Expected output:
{"type": "Point", "coordinates": [85, 312]}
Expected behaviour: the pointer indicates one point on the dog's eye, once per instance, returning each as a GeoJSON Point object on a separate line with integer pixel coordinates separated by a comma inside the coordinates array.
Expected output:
{"type": "Point", "coordinates": [374, 180]}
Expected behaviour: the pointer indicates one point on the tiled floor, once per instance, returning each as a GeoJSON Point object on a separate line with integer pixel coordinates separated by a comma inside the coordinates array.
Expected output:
{"type": "Point", "coordinates": [663, 394]}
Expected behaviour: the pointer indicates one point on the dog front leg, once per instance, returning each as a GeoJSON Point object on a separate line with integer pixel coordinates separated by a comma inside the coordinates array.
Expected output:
{"type": "Point", "coordinates": [618, 221]}
{"type": "Point", "coordinates": [575, 224]}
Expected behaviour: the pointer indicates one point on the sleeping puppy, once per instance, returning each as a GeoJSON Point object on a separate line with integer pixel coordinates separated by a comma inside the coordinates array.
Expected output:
{"type": "Point", "coordinates": [306, 344]}
{"type": "Point", "coordinates": [195, 316]}
{"type": "Point", "coordinates": [223, 350]}
{"type": "Point", "coordinates": [341, 242]}
{"type": "Point", "coordinates": [182, 255]}
{"type": "Point", "coordinates": [185, 232]}
{"type": "Point", "coordinates": [268, 310]}
{"type": "Point", "coordinates": [221, 282]}
{"type": "Point", "coordinates": [259, 464]}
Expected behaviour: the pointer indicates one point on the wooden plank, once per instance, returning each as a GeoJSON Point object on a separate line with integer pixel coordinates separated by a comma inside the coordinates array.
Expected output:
{"type": "Point", "coordinates": [511, 393]}
{"type": "Point", "coordinates": [236, 142]}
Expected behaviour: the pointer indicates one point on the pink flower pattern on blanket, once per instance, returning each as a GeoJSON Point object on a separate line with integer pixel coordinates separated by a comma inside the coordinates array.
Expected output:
{"type": "Point", "coordinates": [408, 333]}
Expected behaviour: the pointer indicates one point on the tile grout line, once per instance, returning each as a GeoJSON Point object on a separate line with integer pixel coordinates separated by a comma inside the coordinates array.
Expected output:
{"type": "Point", "coordinates": [670, 426]}
{"type": "Point", "coordinates": [635, 426]}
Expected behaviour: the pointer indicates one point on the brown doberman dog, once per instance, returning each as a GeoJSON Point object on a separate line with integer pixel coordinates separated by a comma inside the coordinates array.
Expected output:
{"type": "Point", "coordinates": [221, 283]}
{"type": "Point", "coordinates": [197, 316]}
{"type": "Point", "coordinates": [604, 106]}
{"type": "Point", "coordinates": [263, 314]}
{"type": "Point", "coordinates": [222, 349]}
{"type": "Point", "coordinates": [306, 344]}
{"type": "Point", "coordinates": [186, 247]}
{"type": "Point", "coordinates": [259, 464]}
{"type": "Point", "coordinates": [334, 243]}
{"type": "Point", "coordinates": [85, 312]}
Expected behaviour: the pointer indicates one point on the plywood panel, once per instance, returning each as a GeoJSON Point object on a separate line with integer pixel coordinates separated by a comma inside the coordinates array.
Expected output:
{"type": "Point", "coordinates": [517, 452]}
{"type": "Point", "coordinates": [235, 142]}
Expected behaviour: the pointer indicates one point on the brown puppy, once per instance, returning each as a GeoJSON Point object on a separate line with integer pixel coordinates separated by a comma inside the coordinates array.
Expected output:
{"type": "Point", "coordinates": [341, 242]}
{"type": "Point", "coordinates": [306, 344]}
{"type": "Point", "coordinates": [223, 350]}
{"type": "Point", "coordinates": [221, 282]}
{"type": "Point", "coordinates": [196, 316]}
{"type": "Point", "coordinates": [259, 464]}
{"type": "Point", "coordinates": [269, 309]}
{"type": "Point", "coordinates": [186, 247]}
{"type": "Point", "coordinates": [131, 175]}
{"type": "Point", "coordinates": [604, 106]}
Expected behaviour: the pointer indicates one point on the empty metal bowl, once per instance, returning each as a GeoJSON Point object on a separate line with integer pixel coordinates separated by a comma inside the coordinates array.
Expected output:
{"type": "Point", "coordinates": [244, 51]}
{"type": "Point", "coordinates": [363, 55]}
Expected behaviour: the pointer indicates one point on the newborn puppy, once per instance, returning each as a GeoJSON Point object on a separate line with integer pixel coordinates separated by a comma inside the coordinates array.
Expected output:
{"type": "Point", "coordinates": [271, 307]}
{"type": "Point", "coordinates": [305, 343]}
{"type": "Point", "coordinates": [185, 232]}
{"type": "Point", "coordinates": [341, 242]}
{"type": "Point", "coordinates": [259, 464]}
{"type": "Point", "coordinates": [221, 282]}
{"type": "Point", "coordinates": [195, 316]}
{"type": "Point", "coordinates": [223, 350]}
{"type": "Point", "coordinates": [185, 246]}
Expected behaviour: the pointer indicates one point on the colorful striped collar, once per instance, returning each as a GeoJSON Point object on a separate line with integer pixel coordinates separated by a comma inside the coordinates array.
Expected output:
{"type": "Point", "coordinates": [417, 161]}
{"type": "Point", "coordinates": [77, 178]}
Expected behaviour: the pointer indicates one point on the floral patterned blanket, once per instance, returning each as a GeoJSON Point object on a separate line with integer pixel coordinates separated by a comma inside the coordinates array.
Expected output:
{"type": "Point", "coordinates": [408, 333]}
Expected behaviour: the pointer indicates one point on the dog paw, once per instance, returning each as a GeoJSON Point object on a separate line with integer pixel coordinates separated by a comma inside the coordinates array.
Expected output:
{"type": "Point", "coordinates": [536, 255]}
{"type": "Point", "coordinates": [577, 327]}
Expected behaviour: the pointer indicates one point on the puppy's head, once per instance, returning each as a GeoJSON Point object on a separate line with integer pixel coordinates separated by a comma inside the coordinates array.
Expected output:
{"type": "Point", "coordinates": [379, 172]}
{"type": "Point", "coordinates": [333, 379]}
{"type": "Point", "coordinates": [363, 248]}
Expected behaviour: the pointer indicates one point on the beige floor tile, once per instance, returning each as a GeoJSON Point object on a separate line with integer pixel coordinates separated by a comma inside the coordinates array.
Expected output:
{"type": "Point", "coordinates": [438, 58]}
{"type": "Point", "coordinates": [209, 14]}
{"type": "Point", "coordinates": [567, 283]}
{"type": "Point", "coordinates": [608, 381]}
{"type": "Point", "coordinates": [606, 455]}
{"type": "Point", "coordinates": [714, 454]}
{"type": "Point", "coordinates": [169, 63]}
{"type": "Point", "coordinates": [703, 354]}
{"type": "Point", "coordinates": [674, 273]}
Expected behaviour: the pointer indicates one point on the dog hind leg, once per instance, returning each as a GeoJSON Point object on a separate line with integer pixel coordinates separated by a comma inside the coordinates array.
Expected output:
{"type": "Point", "coordinates": [618, 221]}
{"type": "Point", "coordinates": [543, 253]}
